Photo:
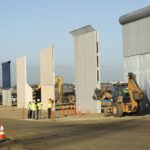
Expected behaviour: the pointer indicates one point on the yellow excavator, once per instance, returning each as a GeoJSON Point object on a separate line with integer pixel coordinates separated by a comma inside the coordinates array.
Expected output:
{"type": "Point", "coordinates": [59, 81]}
{"type": "Point", "coordinates": [66, 97]}
{"type": "Point", "coordinates": [122, 98]}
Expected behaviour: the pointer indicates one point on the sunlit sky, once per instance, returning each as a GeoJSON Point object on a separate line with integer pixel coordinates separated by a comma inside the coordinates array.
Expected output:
{"type": "Point", "coordinates": [27, 26]}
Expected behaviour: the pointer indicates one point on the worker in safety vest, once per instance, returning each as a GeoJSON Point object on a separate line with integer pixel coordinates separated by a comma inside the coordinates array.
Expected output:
{"type": "Point", "coordinates": [33, 109]}
{"type": "Point", "coordinates": [49, 107]}
{"type": "Point", "coordinates": [39, 108]}
{"type": "Point", "coordinates": [29, 110]}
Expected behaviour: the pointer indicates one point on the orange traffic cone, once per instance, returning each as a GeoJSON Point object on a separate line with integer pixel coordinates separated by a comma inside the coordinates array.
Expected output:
{"type": "Point", "coordinates": [2, 134]}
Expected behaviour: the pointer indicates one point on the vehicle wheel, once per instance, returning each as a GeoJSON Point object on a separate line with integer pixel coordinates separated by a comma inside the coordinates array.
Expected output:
{"type": "Point", "coordinates": [117, 111]}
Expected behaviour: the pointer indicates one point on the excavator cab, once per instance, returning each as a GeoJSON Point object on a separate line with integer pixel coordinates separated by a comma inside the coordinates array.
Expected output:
{"type": "Point", "coordinates": [120, 90]}
{"type": "Point", "coordinates": [126, 96]}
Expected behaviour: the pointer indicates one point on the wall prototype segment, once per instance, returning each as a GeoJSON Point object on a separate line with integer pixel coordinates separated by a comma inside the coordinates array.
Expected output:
{"type": "Point", "coordinates": [24, 91]}
{"type": "Point", "coordinates": [87, 75]}
{"type": "Point", "coordinates": [136, 47]}
{"type": "Point", "coordinates": [6, 80]}
{"type": "Point", "coordinates": [136, 37]}
{"type": "Point", "coordinates": [47, 75]}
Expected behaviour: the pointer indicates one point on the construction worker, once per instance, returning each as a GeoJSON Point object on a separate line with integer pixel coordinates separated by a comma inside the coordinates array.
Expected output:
{"type": "Point", "coordinates": [29, 110]}
{"type": "Point", "coordinates": [33, 109]}
{"type": "Point", "coordinates": [39, 108]}
{"type": "Point", "coordinates": [49, 107]}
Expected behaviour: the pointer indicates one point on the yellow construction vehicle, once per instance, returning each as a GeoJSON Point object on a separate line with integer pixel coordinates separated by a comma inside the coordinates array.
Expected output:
{"type": "Point", "coordinates": [37, 89]}
{"type": "Point", "coordinates": [105, 96]}
{"type": "Point", "coordinates": [64, 97]}
{"type": "Point", "coordinates": [61, 97]}
{"type": "Point", "coordinates": [59, 81]}
{"type": "Point", "coordinates": [126, 98]}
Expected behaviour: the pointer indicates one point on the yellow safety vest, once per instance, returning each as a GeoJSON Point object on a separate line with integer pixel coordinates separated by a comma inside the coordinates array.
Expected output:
{"type": "Point", "coordinates": [39, 105]}
{"type": "Point", "coordinates": [33, 107]}
{"type": "Point", "coordinates": [49, 104]}
{"type": "Point", "coordinates": [30, 106]}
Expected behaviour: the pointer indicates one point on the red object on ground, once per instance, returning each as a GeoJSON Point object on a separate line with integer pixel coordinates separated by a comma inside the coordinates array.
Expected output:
{"type": "Point", "coordinates": [79, 109]}
{"type": "Point", "coordinates": [53, 116]}
{"type": "Point", "coordinates": [2, 134]}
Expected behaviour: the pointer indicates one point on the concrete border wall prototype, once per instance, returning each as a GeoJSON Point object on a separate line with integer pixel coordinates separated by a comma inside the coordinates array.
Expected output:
{"type": "Point", "coordinates": [24, 91]}
{"type": "Point", "coordinates": [87, 69]}
{"type": "Point", "coordinates": [47, 75]}
{"type": "Point", "coordinates": [136, 49]}
{"type": "Point", "coordinates": [6, 87]}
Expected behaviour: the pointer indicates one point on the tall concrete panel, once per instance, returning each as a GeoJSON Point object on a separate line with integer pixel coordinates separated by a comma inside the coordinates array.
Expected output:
{"type": "Point", "coordinates": [6, 80]}
{"type": "Point", "coordinates": [136, 47]}
{"type": "Point", "coordinates": [24, 91]}
{"type": "Point", "coordinates": [6, 95]}
{"type": "Point", "coordinates": [47, 75]}
{"type": "Point", "coordinates": [136, 32]}
{"type": "Point", "coordinates": [136, 37]}
{"type": "Point", "coordinates": [87, 75]}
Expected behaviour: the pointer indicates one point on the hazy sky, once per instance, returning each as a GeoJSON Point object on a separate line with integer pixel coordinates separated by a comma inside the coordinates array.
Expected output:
{"type": "Point", "coordinates": [26, 26]}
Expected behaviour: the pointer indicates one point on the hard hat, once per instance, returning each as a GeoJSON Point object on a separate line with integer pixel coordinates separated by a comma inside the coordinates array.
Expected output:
{"type": "Point", "coordinates": [38, 100]}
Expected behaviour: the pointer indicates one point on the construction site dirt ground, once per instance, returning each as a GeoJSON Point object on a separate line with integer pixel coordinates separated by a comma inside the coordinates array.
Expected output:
{"type": "Point", "coordinates": [81, 132]}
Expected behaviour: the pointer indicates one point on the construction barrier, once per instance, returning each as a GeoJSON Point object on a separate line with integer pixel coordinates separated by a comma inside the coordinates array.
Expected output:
{"type": "Point", "coordinates": [65, 110]}
{"type": "Point", "coordinates": [2, 134]}
{"type": "Point", "coordinates": [53, 116]}
{"type": "Point", "coordinates": [79, 110]}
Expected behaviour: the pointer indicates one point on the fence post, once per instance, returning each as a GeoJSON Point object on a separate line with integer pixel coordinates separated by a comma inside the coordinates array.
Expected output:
{"type": "Point", "coordinates": [23, 113]}
{"type": "Point", "coordinates": [53, 116]}
{"type": "Point", "coordinates": [75, 109]}
{"type": "Point", "coordinates": [79, 109]}
{"type": "Point", "coordinates": [63, 113]}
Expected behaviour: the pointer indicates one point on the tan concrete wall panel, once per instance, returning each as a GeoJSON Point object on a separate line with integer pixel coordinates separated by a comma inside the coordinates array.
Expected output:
{"type": "Point", "coordinates": [47, 75]}
{"type": "Point", "coordinates": [7, 101]}
{"type": "Point", "coordinates": [24, 91]}
{"type": "Point", "coordinates": [86, 69]}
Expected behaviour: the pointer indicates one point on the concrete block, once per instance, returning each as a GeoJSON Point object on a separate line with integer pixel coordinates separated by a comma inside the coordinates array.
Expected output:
{"type": "Point", "coordinates": [46, 93]}
{"type": "Point", "coordinates": [6, 95]}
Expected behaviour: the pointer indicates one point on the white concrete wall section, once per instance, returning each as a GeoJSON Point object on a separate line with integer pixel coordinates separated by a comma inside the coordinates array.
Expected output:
{"type": "Point", "coordinates": [24, 91]}
{"type": "Point", "coordinates": [87, 76]}
{"type": "Point", "coordinates": [136, 47]}
{"type": "Point", "coordinates": [47, 75]}
{"type": "Point", "coordinates": [6, 94]}
{"type": "Point", "coordinates": [136, 37]}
